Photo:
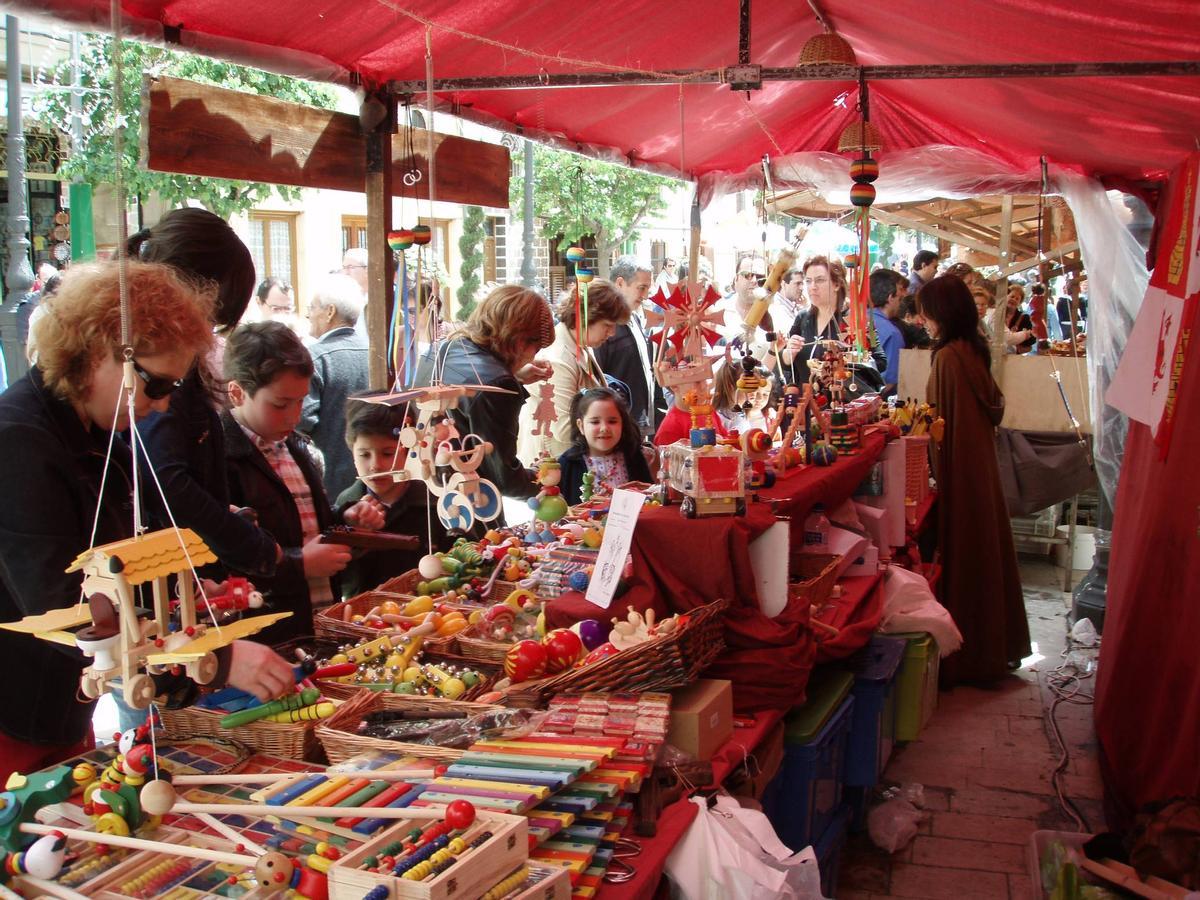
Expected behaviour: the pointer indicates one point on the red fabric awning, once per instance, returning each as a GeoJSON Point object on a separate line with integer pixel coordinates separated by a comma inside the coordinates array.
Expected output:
{"type": "Point", "coordinates": [1135, 127]}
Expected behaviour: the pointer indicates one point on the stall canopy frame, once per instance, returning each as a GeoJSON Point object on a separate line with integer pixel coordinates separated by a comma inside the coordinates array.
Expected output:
{"type": "Point", "coordinates": [1110, 93]}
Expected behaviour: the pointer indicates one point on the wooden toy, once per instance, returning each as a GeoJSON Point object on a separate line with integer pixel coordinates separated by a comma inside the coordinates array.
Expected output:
{"type": "Point", "coordinates": [423, 862]}
{"type": "Point", "coordinates": [434, 452]}
{"type": "Point", "coordinates": [121, 643]}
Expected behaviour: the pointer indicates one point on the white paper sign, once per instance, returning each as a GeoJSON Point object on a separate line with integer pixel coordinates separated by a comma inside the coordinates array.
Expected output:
{"type": "Point", "coordinates": [623, 514]}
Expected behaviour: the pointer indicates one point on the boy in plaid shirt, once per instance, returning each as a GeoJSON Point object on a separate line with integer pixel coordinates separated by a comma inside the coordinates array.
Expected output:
{"type": "Point", "coordinates": [272, 472]}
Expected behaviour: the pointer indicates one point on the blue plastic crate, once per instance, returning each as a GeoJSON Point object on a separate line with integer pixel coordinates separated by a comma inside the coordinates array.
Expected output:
{"type": "Point", "coordinates": [806, 795]}
{"type": "Point", "coordinates": [873, 727]}
{"type": "Point", "coordinates": [829, 850]}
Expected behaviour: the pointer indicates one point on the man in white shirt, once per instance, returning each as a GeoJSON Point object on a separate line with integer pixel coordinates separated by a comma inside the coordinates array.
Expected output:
{"type": "Point", "coordinates": [789, 301]}
{"type": "Point", "coordinates": [354, 264]}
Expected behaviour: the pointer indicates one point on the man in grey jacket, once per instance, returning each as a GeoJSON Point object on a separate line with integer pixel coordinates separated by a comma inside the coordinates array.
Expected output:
{"type": "Point", "coordinates": [339, 369]}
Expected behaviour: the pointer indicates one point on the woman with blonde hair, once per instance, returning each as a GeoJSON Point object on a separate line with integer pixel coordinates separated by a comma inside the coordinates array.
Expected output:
{"type": "Point", "coordinates": [59, 426]}
{"type": "Point", "coordinates": [496, 346]}
{"type": "Point", "coordinates": [574, 366]}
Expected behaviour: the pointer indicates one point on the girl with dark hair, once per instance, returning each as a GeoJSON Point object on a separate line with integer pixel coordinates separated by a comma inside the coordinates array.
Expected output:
{"type": "Point", "coordinates": [981, 584]}
{"type": "Point", "coordinates": [605, 441]}
{"type": "Point", "coordinates": [185, 443]}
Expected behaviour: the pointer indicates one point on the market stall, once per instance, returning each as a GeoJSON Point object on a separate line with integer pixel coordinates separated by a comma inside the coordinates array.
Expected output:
{"type": "Point", "coordinates": [439, 667]}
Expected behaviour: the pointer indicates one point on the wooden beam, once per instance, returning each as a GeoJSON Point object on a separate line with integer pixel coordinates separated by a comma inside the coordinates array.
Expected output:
{"type": "Point", "coordinates": [1000, 316]}
{"type": "Point", "coordinates": [1033, 262]}
{"type": "Point", "coordinates": [715, 75]}
{"type": "Point", "coordinates": [893, 218]}
{"type": "Point", "coordinates": [381, 266]}
{"type": "Point", "coordinates": [198, 129]}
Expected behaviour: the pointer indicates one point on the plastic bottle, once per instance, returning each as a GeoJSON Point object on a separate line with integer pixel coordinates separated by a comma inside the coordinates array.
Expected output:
{"type": "Point", "coordinates": [816, 530]}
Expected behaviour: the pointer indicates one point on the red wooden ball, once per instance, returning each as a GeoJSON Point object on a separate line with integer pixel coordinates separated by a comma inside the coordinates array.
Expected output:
{"type": "Point", "coordinates": [563, 650]}
{"type": "Point", "coordinates": [460, 814]}
{"type": "Point", "coordinates": [525, 660]}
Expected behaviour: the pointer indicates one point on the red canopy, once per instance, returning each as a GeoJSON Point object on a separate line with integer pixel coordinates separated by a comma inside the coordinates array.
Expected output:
{"type": "Point", "coordinates": [1124, 127]}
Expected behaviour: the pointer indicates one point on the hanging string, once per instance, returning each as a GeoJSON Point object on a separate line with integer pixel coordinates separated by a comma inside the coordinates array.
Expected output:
{"type": "Point", "coordinates": [135, 438]}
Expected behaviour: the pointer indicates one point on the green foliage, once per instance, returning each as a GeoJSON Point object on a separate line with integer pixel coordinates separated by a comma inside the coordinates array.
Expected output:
{"type": "Point", "coordinates": [470, 246]}
{"type": "Point", "coordinates": [576, 196]}
{"type": "Point", "coordinates": [885, 237]}
{"type": "Point", "coordinates": [98, 162]}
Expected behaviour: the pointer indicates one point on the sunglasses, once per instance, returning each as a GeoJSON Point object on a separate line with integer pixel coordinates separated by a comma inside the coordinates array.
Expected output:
{"type": "Point", "coordinates": [761, 279]}
{"type": "Point", "coordinates": [155, 386]}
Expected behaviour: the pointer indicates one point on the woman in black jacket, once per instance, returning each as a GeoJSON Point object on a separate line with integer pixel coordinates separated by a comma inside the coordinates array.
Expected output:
{"type": "Point", "coordinates": [496, 346]}
{"type": "Point", "coordinates": [184, 442]}
{"type": "Point", "coordinates": [58, 425]}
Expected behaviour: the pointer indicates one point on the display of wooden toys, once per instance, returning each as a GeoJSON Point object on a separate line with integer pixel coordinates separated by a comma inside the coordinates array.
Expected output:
{"type": "Point", "coordinates": [844, 436]}
{"type": "Point", "coordinates": [457, 856]}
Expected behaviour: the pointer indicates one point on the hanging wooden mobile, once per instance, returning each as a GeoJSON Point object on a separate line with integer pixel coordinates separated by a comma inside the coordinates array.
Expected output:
{"type": "Point", "coordinates": [862, 137]}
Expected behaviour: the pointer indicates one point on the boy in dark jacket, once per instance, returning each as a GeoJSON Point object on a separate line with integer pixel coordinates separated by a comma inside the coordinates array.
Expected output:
{"type": "Point", "coordinates": [272, 473]}
{"type": "Point", "coordinates": [372, 434]}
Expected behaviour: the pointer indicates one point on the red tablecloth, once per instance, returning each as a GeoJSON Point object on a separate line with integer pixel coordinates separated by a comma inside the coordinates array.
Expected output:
{"type": "Point", "coordinates": [676, 818]}
{"type": "Point", "coordinates": [855, 613]}
{"type": "Point", "coordinates": [679, 564]}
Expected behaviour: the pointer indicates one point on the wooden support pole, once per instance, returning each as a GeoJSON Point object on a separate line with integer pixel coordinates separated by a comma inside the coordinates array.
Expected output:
{"type": "Point", "coordinates": [1000, 316]}
{"type": "Point", "coordinates": [381, 267]}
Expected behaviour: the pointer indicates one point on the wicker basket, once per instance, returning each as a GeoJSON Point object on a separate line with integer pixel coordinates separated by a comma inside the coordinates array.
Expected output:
{"type": "Point", "coordinates": [339, 733]}
{"type": "Point", "coordinates": [668, 661]}
{"type": "Point", "coordinates": [813, 576]}
{"type": "Point", "coordinates": [481, 649]}
{"type": "Point", "coordinates": [286, 740]}
{"type": "Point", "coordinates": [346, 691]}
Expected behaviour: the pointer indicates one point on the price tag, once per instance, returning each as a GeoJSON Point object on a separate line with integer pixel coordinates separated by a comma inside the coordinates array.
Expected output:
{"type": "Point", "coordinates": [623, 514]}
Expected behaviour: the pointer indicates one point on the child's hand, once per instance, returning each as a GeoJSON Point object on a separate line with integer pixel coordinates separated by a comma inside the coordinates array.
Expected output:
{"type": "Point", "coordinates": [260, 670]}
{"type": "Point", "coordinates": [322, 560]}
{"type": "Point", "coordinates": [538, 370]}
{"type": "Point", "coordinates": [366, 513]}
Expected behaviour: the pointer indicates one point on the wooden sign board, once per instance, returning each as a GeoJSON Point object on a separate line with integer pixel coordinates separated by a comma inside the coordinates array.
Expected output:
{"type": "Point", "coordinates": [197, 129]}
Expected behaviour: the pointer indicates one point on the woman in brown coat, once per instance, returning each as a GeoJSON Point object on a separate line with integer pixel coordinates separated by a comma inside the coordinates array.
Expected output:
{"type": "Point", "coordinates": [981, 586]}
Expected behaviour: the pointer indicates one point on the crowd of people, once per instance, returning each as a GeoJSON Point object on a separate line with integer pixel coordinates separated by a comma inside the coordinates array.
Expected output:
{"type": "Point", "coordinates": [250, 437]}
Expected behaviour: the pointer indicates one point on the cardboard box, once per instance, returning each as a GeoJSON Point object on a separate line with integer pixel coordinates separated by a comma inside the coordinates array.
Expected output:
{"type": "Point", "coordinates": [701, 717]}
{"type": "Point", "coordinates": [866, 564]}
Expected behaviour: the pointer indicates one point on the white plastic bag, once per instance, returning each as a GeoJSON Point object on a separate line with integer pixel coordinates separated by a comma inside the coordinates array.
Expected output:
{"type": "Point", "coordinates": [895, 821]}
{"type": "Point", "coordinates": [733, 853]}
{"type": "Point", "coordinates": [909, 605]}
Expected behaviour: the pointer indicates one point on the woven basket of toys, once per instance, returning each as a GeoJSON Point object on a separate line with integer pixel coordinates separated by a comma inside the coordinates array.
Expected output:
{"type": "Point", "coordinates": [290, 740]}
{"type": "Point", "coordinates": [669, 660]}
{"type": "Point", "coordinates": [481, 680]}
{"type": "Point", "coordinates": [339, 734]}
{"type": "Point", "coordinates": [389, 613]}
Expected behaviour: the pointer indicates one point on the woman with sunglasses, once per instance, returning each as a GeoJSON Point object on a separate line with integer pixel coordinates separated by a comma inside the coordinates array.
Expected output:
{"type": "Point", "coordinates": [58, 426]}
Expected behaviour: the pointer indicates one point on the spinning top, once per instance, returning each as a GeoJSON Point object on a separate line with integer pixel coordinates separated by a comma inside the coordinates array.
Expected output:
{"type": "Point", "coordinates": [423, 234]}
{"type": "Point", "coordinates": [400, 239]}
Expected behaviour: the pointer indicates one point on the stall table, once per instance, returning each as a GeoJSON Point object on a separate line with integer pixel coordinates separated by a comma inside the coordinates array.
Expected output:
{"type": "Point", "coordinates": [676, 818]}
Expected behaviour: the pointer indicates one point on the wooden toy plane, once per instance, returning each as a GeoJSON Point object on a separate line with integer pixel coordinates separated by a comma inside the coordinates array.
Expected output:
{"type": "Point", "coordinates": [435, 452]}
{"type": "Point", "coordinates": [121, 642]}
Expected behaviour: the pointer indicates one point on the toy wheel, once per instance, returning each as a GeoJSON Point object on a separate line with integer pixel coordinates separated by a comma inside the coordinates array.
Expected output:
{"type": "Point", "coordinates": [687, 507]}
{"type": "Point", "coordinates": [139, 691]}
{"type": "Point", "coordinates": [487, 501]}
{"type": "Point", "coordinates": [454, 511]}
{"type": "Point", "coordinates": [739, 508]}
{"type": "Point", "coordinates": [91, 686]}
{"type": "Point", "coordinates": [203, 670]}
